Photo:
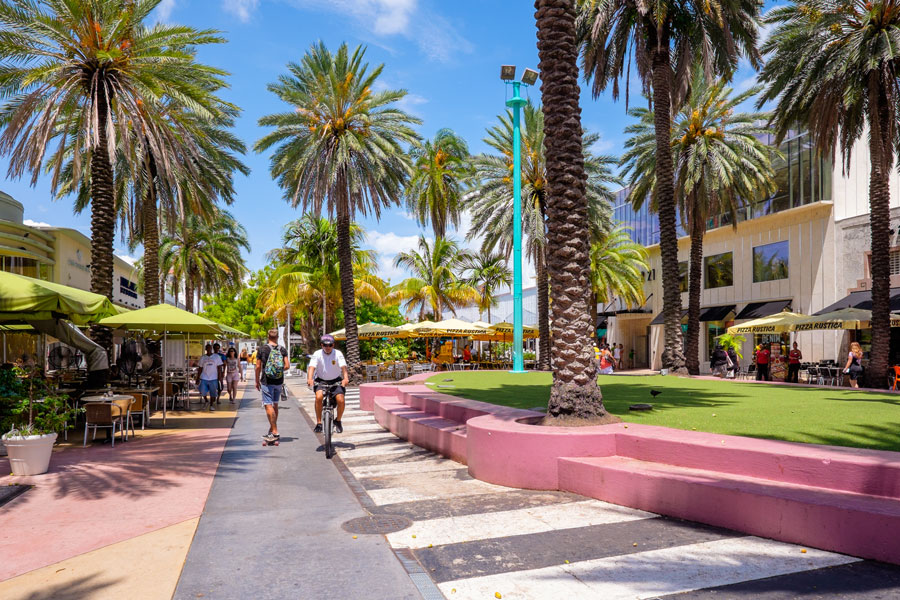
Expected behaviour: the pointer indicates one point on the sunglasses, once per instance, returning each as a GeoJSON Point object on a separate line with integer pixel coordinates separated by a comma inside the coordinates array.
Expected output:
{"type": "Point", "coordinates": [328, 345]}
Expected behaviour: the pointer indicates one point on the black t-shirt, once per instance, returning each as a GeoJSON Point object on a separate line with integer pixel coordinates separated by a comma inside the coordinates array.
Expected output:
{"type": "Point", "coordinates": [262, 356]}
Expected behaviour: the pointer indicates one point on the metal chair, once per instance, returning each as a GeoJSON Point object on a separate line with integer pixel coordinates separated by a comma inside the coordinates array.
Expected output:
{"type": "Point", "coordinates": [371, 372]}
{"type": "Point", "coordinates": [103, 415]}
{"type": "Point", "coordinates": [750, 373]}
{"type": "Point", "coordinates": [141, 406]}
{"type": "Point", "coordinates": [400, 371]}
{"type": "Point", "coordinates": [812, 375]}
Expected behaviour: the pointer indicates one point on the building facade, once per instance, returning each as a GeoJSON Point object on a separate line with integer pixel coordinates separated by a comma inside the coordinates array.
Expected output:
{"type": "Point", "coordinates": [804, 248]}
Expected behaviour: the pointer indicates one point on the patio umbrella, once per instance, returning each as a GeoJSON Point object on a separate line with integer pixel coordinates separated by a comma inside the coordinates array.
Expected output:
{"type": "Point", "coordinates": [425, 329]}
{"type": "Point", "coordinates": [506, 330]}
{"type": "Point", "coordinates": [28, 299]}
{"type": "Point", "coordinates": [166, 319]}
{"type": "Point", "coordinates": [845, 318]}
{"type": "Point", "coordinates": [370, 331]}
{"type": "Point", "coordinates": [458, 328]}
{"type": "Point", "coordinates": [233, 331]}
{"type": "Point", "coordinates": [777, 323]}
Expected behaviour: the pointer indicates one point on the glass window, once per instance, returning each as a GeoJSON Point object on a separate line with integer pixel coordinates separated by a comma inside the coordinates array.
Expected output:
{"type": "Point", "coordinates": [683, 274]}
{"type": "Point", "coordinates": [719, 270]}
{"type": "Point", "coordinates": [770, 262]}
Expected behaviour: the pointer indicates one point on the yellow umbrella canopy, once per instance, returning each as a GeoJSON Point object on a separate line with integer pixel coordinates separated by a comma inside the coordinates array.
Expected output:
{"type": "Point", "coordinates": [506, 329]}
{"type": "Point", "coordinates": [845, 318]}
{"type": "Point", "coordinates": [425, 329]}
{"type": "Point", "coordinates": [370, 331]}
{"type": "Point", "coordinates": [777, 323]}
{"type": "Point", "coordinates": [459, 328]}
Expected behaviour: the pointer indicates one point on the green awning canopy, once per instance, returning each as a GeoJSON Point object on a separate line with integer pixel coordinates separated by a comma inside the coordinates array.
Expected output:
{"type": "Point", "coordinates": [163, 318]}
{"type": "Point", "coordinates": [233, 331]}
{"type": "Point", "coordinates": [24, 298]}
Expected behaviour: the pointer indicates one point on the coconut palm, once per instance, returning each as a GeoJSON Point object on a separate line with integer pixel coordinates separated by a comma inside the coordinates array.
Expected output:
{"type": "Point", "coordinates": [618, 265]}
{"type": "Point", "coordinates": [666, 38]}
{"type": "Point", "coordinates": [206, 256]}
{"type": "Point", "coordinates": [82, 72]}
{"type": "Point", "coordinates": [341, 147]}
{"type": "Point", "coordinates": [487, 272]}
{"type": "Point", "coordinates": [490, 201]}
{"type": "Point", "coordinates": [833, 68]}
{"type": "Point", "coordinates": [434, 191]}
{"type": "Point", "coordinates": [434, 285]}
{"type": "Point", "coordinates": [720, 163]}
{"type": "Point", "coordinates": [575, 390]}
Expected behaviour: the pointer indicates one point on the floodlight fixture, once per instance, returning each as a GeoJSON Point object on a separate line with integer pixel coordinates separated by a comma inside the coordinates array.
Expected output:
{"type": "Point", "coordinates": [508, 72]}
{"type": "Point", "coordinates": [529, 77]}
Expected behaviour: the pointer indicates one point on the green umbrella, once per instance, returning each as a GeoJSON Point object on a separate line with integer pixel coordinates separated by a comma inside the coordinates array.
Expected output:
{"type": "Point", "coordinates": [24, 298]}
{"type": "Point", "coordinates": [163, 318]}
{"type": "Point", "coordinates": [232, 331]}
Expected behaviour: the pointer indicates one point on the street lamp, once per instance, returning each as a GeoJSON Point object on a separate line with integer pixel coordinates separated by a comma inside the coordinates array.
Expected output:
{"type": "Point", "coordinates": [529, 77]}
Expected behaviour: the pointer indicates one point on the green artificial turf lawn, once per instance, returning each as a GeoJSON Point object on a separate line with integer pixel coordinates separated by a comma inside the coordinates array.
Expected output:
{"type": "Point", "coordinates": [836, 416]}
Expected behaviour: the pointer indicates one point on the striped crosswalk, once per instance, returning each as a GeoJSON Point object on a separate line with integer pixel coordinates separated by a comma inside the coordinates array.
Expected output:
{"type": "Point", "coordinates": [476, 540]}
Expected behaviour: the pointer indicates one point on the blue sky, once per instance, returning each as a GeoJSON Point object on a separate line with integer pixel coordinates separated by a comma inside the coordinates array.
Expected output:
{"type": "Point", "coordinates": [447, 55]}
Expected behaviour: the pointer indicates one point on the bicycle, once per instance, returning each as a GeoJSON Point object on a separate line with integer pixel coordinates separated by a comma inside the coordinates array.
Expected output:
{"type": "Point", "coordinates": [329, 403]}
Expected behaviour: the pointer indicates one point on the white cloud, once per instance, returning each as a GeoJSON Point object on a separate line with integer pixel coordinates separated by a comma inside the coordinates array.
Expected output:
{"type": "Point", "coordinates": [31, 223]}
{"type": "Point", "coordinates": [435, 35]}
{"type": "Point", "coordinates": [242, 9]}
{"type": "Point", "coordinates": [409, 102]}
{"type": "Point", "coordinates": [388, 246]}
{"type": "Point", "coordinates": [164, 10]}
{"type": "Point", "coordinates": [129, 259]}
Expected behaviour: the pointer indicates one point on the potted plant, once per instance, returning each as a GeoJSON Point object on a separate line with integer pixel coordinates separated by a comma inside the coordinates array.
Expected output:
{"type": "Point", "coordinates": [38, 414]}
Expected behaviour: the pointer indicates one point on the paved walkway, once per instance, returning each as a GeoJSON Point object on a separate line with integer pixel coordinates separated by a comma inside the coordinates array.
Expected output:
{"type": "Point", "coordinates": [475, 539]}
{"type": "Point", "coordinates": [271, 527]}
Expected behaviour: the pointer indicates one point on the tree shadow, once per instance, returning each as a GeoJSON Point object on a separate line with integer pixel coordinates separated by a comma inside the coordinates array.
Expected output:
{"type": "Point", "coordinates": [83, 588]}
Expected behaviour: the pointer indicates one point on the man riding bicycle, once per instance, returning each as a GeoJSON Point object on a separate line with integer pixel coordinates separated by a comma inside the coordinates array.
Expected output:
{"type": "Point", "coordinates": [327, 367]}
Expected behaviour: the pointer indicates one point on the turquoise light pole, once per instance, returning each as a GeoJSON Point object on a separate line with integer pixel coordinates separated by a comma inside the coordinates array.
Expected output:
{"type": "Point", "coordinates": [516, 103]}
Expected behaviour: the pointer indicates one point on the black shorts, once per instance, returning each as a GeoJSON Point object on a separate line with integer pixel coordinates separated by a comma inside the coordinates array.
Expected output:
{"type": "Point", "coordinates": [855, 372]}
{"type": "Point", "coordinates": [321, 384]}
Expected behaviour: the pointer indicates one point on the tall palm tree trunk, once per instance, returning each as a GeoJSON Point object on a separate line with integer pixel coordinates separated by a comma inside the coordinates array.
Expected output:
{"type": "Point", "coordinates": [543, 308]}
{"type": "Point", "coordinates": [151, 239]}
{"type": "Point", "coordinates": [881, 158]}
{"type": "Point", "coordinates": [673, 356]}
{"type": "Point", "coordinates": [348, 296]}
{"type": "Point", "coordinates": [692, 346]}
{"type": "Point", "coordinates": [575, 390]}
{"type": "Point", "coordinates": [188, 293]}
{"type": "Point", "coordinates": [103, 217]}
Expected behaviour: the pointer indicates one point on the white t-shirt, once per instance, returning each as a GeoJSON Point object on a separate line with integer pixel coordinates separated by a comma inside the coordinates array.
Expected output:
{"type": "Point", "coordinates": [209, 367]}
{"type": "Point", "coordinates": [328, 366]}
{"type": "Point", "coordinates": [617, 353]}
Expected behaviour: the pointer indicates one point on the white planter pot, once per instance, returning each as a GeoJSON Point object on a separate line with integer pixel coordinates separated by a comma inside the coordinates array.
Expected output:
{"type": "Point", "coordinates": [29, 455]}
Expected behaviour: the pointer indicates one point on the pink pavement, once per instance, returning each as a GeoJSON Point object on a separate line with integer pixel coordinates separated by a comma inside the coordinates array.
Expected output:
{"type": "Point", "coordinates": [841, 499]}
{"type": "Point", "coordinates": [100, 495]}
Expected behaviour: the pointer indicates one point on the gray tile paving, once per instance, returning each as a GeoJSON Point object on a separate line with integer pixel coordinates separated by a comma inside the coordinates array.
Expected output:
{"type": "Point", "coordinates": [271, 529]}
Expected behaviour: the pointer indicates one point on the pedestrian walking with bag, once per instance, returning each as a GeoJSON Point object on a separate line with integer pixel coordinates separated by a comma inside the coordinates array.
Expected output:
{"type": "Point", "coordinates": [271, 363]}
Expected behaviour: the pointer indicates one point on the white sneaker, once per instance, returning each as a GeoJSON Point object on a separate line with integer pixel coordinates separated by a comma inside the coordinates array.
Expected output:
{"type": "Point", "coordinates": [212, 408]}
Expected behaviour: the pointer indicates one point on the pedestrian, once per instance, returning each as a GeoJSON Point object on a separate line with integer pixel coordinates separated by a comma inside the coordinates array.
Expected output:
{"type": "Point", "coordinates": [606, 361]}
{"type": "Point", "coordinates": [209, 376]}
{"type": "Point", "coordinates": [762, 363]}
{"type": "Point", "coordinates": [271, 363]}
{"type": "Point", "coordinates": [217, 349]}
{"type": "Point", "coordinates": [467, 354]}
{"type": "Point", "coordinates": [631, 358]}
{"type": "Point", "coordinates": [794, 358]}
{"type": "Point", "coordinates": [735, 366]}
{"type": "Point", "coordinates": [232, 373]}
{"type": "Point", "coordinates": [854, 365]}
{"type": "Point", "coordinates": [718, 362]}
{"type": "Point", "coordinates": [618, 353]}
{"type": "Point", "coordinates": [244, 359]}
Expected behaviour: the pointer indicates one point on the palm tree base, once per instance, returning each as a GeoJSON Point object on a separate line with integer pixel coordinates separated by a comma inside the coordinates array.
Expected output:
{"type": "Point", "coordinates": [575, 400]}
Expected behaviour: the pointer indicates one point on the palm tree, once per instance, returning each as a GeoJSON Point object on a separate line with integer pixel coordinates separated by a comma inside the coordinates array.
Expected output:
{"type": "Point", "coordinates": [435, 285]}
{"type": "Point", "coordinates": [666, 38]}
{"type": "Point", "coordinates": [341, 144]}
{"type": "Point", "coordinates": [82, 72]}
{"type": "Point", "coordinates": [617, 269]}
{"type": "Point", "coordinates": [206, 256]}
{"type": "Point", "coordinates": [487, 272]}
{"type": "Point", "coordinates": [833, 68]}
{"type": "Point", "coordinates": [491, 201]}
{"type": "Point", "coordinates": [721, 162]}
{"type": "Point", "coordinates": [575, 390]}
{"type": "Point", "coordinates": [434, 191]}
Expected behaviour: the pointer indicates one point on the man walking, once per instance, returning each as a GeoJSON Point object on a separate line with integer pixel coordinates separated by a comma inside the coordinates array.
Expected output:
{"type": "Point", "coordinates": [271, 363]}
{"type": "Point", "coordinates": [210, 372]}
{"type": "Point", "coordinates": [326, 367]}
{"type": "Point", "coordinates": [217, 349]}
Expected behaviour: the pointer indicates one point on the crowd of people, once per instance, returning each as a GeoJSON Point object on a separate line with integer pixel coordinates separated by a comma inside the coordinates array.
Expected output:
{"type": "Point", "coordinates": [610, 357]}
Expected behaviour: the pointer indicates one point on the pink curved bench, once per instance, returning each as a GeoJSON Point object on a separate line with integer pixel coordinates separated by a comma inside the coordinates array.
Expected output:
{"type": "Point", "coordinates": [841, 499]}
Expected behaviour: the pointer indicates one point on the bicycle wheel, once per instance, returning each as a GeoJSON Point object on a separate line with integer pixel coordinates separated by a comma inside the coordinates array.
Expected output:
{"type": "Point", "coordinates": [327, 424]}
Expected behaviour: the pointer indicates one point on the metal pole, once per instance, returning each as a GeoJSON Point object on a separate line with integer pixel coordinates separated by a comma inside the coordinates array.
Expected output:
{"type": "Point", "coordinates": [516, 103]}
{"type": "Point", "coordinates": [165, 379]}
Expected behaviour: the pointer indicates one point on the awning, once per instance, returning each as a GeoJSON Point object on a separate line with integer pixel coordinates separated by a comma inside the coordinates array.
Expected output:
{"type": "Point", "coordinates": [863, 300]}
{"type": "Point", "coordinates": [755, 310]}
{"type": "Point", "coordinates": [716, 313]}
{"type": "Point", "coordinates": [24, 298]}
{"type": "Point", "coordinates": [660, 319]}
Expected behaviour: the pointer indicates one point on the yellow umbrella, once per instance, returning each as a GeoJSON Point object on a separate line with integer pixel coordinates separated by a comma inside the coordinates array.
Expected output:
{"type": "Point", "coordinates": [459, 328]}
{"type": "Point", "coordinates": [425, 329]}
{"type": "Point", "coordinates": [777, 323]}
{"type": "Point", "coordinates": [506, 329]}
{"type": "Point", "coordinates": [845, 318]}
{"type": "Point", "coordinates": [370, 331]}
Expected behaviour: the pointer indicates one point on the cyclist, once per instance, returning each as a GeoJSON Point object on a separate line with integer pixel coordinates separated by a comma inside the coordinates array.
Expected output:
{"type": "Point", "coordinates": [326, 367]}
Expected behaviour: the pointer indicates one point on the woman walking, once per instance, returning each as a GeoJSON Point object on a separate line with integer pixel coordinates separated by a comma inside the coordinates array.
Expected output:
{"type": "Point", "coordinates": [244, 359]}
{"type": "Point", "coordinates": [232, 373]}
{"type": "Point", "coordinates": [854, 366]}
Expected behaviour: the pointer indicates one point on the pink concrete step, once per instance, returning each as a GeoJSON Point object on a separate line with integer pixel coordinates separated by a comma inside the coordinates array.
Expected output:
{"type": "Point", "coordinates": [861, 525]}
{"type": "Point", "coordinates": [855, 470]}
{"type": "Point", "coordinates": [444, 436]}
